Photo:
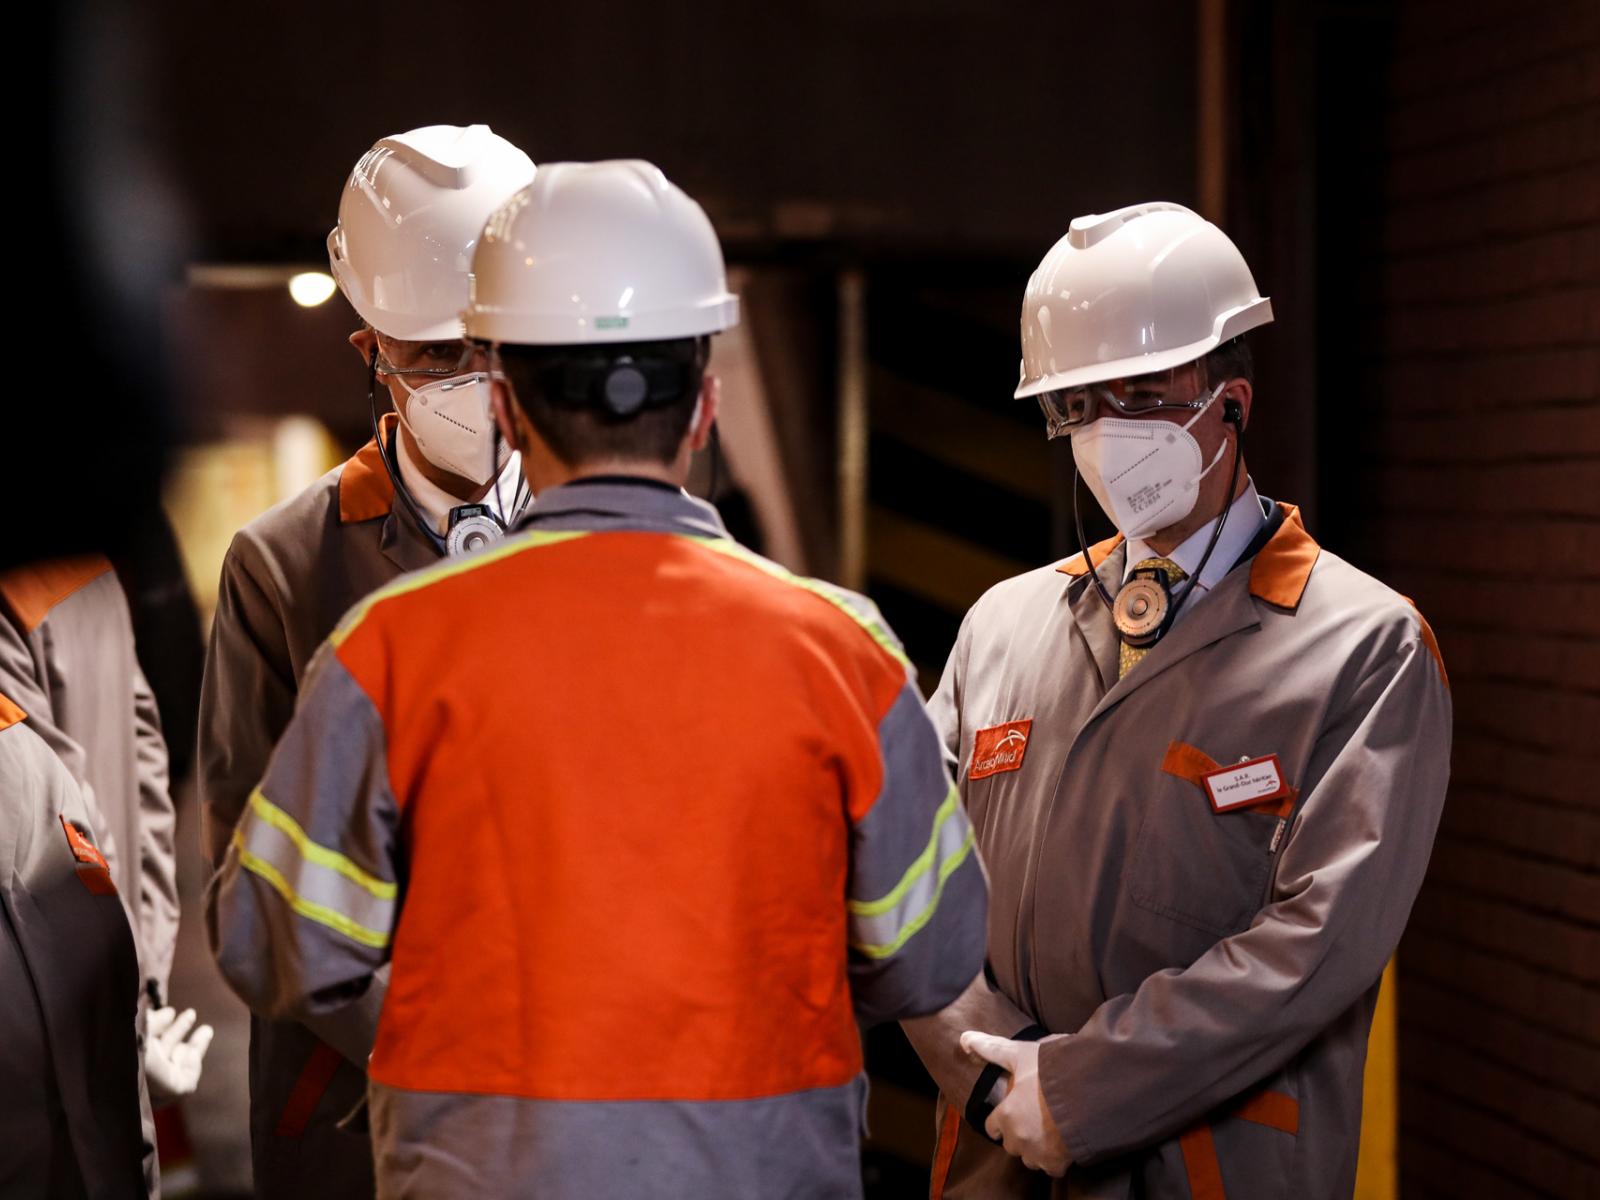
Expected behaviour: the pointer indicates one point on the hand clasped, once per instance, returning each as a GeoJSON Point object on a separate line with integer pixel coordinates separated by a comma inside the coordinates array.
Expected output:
{"type": "Point", "coordinates": [1022, 1121]}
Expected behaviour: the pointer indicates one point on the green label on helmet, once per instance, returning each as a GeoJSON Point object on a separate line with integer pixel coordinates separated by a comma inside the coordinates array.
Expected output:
{"type": "Point", "coordinates": [611, 322]}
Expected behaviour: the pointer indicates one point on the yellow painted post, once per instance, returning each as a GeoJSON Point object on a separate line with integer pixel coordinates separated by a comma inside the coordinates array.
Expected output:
{"type": "Point", "coordinates": [1377, 1173]}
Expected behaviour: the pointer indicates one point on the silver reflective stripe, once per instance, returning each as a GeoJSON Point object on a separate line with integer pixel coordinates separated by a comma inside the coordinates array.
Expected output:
{"type": "Point", "coordinates": [320, 884]}
{"type": "Point", "coordinates": [880, 927]}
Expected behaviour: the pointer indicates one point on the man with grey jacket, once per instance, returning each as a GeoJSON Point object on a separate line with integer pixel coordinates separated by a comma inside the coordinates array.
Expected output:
{"type": "Point", "coordinates": [1205, 761]}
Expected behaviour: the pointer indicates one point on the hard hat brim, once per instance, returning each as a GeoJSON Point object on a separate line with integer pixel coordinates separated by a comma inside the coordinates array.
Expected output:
{"type": "Point", "coordinates": [512, 327]}
{"type": "Point", "coordinates": [1228, 326]}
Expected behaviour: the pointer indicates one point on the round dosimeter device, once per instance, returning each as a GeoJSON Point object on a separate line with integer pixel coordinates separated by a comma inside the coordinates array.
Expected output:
{"type": "Point", "coordinates": [472, 527]}
{"type": "Point", "coordinates": [1142, 606]}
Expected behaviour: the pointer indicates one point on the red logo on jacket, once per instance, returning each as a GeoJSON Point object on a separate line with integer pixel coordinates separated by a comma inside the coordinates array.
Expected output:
{"type": "Point", "coordinates": [999, 748]}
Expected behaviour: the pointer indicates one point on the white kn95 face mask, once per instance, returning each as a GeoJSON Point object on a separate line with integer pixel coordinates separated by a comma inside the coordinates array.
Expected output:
{"type": "Point", "coordinates": [452, 421]}
{"type": "Point", "coordinates": [1145, 472]}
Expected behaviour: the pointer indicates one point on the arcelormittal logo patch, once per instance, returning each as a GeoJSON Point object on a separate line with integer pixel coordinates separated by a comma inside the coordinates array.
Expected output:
{"type": "Point", "coordinates": [999, 749]}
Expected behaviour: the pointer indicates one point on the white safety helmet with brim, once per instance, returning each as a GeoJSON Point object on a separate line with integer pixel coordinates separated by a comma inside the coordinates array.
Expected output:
{"type": "Point", "coordinates": [600, 252]}
{"type": "Point", "coordinates": [1133, 292]}
{"type": "Point", "coordinates": [409, 221]}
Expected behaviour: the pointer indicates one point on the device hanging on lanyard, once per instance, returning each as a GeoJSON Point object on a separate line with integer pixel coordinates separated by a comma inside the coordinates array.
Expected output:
{"type": "Point", "coordinates": [1144, 607]}
{"type": "Point", "coordinates": [471, 526]}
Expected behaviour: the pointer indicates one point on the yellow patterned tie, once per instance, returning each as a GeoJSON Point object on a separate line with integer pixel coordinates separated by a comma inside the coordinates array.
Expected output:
{"type": "Point", "coordinates": [1128, 655]}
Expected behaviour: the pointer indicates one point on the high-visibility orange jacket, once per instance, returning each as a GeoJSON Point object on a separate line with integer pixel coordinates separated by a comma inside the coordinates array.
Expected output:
{"type": "Point", "coordinates": [645, 826]}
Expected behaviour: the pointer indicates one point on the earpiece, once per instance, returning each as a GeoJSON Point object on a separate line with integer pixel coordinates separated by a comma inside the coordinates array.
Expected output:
{"type": "Point", "coordinates": [1233, 413]}
{"type": "Point", "coordinates": [624, 389]}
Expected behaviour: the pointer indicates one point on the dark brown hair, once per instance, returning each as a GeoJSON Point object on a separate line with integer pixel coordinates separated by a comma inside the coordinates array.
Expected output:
{"type": "Point", "coordinates": [580, 433]}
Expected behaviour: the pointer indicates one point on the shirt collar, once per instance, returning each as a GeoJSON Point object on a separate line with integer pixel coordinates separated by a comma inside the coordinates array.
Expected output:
{"type": "Point", "coordinates": [1245, 519]}
{"type": "Point", "coordinates": [435, 503]}
{"type": "Point", "coordinates": [619, 502]}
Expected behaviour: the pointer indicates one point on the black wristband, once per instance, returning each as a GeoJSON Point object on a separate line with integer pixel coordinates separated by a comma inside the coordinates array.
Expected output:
{"type": "Point", "coordinates": [978, 1106]}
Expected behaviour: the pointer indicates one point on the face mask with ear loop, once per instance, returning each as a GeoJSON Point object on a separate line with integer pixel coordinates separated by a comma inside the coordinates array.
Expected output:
{"type": "Point", "coordinates": [470, 526]}
{"type": "Point", "coordinates": [1144, 609]}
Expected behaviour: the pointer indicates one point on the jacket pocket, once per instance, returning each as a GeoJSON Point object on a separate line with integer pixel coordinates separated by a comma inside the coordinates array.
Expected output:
{"type": "Point", "coordinates": [1197, 866]}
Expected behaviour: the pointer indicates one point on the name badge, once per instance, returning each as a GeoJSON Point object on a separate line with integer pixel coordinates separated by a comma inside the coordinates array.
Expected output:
{"type": "Point", "coordinates": [1248, 782]}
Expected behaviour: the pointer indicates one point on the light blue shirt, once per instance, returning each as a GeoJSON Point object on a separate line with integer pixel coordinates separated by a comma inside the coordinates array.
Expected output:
{"type": "Point", "coordinates": [1245, 520]}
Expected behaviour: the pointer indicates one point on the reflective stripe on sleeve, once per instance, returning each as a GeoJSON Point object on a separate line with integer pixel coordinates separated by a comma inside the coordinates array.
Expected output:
{"type": "Point", "coordinates": [320, 884]}
{"type": "Point", "coordinates": [880, 927]}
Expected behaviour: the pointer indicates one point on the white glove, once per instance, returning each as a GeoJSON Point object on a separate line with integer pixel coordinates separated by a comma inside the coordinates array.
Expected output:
{"type": "Point", "coordinates": [1022, 1122]}
{"type": "Point", "coordinates": [172, 1056]}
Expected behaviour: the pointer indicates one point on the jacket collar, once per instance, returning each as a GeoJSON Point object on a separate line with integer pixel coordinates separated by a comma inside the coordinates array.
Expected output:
{"type": "Point", "coordinates": [31, 591]}
{"type": "Point", "coordinates": [365, 489]}
{"type": "Point", "coordinates": [1278, 574]}
{"type": "Point", "coordinates": [619, 503]}
{"type": "Point", "coordinates": [366, 493]}
{"type": "Point", "coordinates": [1282, 567]}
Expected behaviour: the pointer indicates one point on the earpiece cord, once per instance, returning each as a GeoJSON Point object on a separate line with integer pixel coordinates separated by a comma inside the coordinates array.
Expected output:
{"type": "Point", "coordinates": [716, 454]}
{"type": "Point", "coordinates": [499, 498]}
{"type": "Point", "coordinates": [392, 468]}
{"type": "Point", "coordinates": [1083, 546]}
{"type": "Point", "coordinates": [1216, 533]}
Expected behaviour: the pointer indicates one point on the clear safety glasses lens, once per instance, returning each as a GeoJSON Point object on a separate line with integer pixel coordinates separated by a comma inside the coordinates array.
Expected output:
{"type": "Point", "coordinates": [1064, 410]}
{"type": "Point", "coordinates": [1068, 408]}
{"type": "Point", "coordinates": [436, 361]}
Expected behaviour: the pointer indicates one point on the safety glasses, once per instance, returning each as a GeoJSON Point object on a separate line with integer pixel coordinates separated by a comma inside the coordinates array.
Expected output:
{"type": "Point", "coordinates": [438, 360]}
{"type": "Point", "coordinates": [1066, 409]}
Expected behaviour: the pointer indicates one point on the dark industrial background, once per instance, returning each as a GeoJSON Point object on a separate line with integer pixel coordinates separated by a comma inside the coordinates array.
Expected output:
{"type": "Point", "coordinates": [1415, 183]}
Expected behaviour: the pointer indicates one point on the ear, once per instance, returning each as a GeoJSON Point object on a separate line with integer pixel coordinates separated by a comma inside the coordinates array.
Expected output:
{"type": "Point", "coordinates": [1238, 393]}
{"type": "Point", "coordinates": [710, 402]}
{"type": "Point", "coordinates": [366, 343]}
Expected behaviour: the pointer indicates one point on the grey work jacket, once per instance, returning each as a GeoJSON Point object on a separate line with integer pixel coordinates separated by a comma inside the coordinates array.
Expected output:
{"type": "Point", "coordinates": [287, 578]}
{"type": "Point", "coordinates": [1214, 971]}
{"type": "Point", "coordinates": [72, 1104]}
{"type": "Point", "coordinates": [67, 659]}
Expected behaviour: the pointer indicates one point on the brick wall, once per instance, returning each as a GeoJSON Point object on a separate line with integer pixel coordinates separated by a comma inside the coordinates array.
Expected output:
{"type": "Point", "coordinates": [1479, 495]}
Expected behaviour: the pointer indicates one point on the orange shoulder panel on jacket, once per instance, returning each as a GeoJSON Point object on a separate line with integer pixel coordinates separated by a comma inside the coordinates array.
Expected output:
{"type": "Point", "coordinates": [1431, 642]}
{"type": "Point", "coordinates": [30, 592]}
{"type": "Point", "coordinates": [10, 714]}
{"type": "Point", "coordinates": [365, 489]}
{"type": "Point", "coordinates": [1098, 553]}
{"type": "Point", "coordinates": [1283, 566]}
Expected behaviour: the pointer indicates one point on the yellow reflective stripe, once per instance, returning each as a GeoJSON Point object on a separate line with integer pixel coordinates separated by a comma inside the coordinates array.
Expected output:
{"type": "Point", "coordinates": [918, 868]}
{"type": "Point", "coordinates": [946, 869]}
{"type": "Point", "coordinates": [514, 545]}
{"type": "Point", "coordinates": [306, 908]}
{"type": "Point", "coordinates": [313, 853]}
{"type": "Point", "coordinates": [876, 631]}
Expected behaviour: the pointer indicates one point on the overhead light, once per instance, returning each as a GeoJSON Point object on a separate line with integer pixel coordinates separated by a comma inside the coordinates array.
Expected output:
{"type": "Point", "coordinates": [311, 288]}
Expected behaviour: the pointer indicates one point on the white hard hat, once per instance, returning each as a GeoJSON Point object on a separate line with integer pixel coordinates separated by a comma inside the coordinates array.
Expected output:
{"type": "Point", "coordinates": [409, 219]}
{"type": "Point", "coordinates": [1132, 292]}
{"type": "Point", "coordinates": [598, 252]}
